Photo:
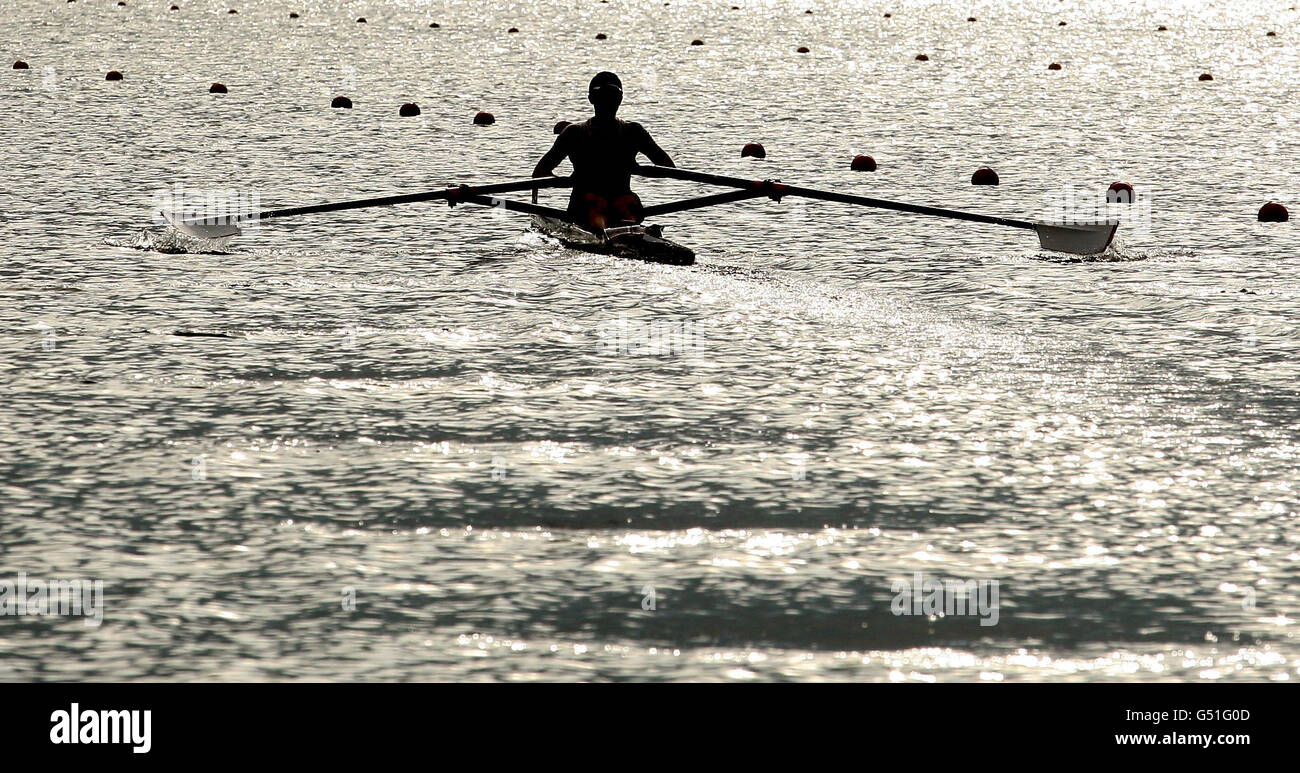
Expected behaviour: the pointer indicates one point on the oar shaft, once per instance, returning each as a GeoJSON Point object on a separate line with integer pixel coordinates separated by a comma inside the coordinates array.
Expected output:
{"type": "Point", "coordinates": [516, 206]}
{"type": "Point", "coordinates": [458, 193]}
{"type": "Point", "coordinates": [703, 201]}
{"type": "Point", "coordinates": [778, 190]}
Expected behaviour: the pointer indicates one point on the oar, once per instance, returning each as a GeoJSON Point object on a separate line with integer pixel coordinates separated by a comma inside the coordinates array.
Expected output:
{"type": "Point", "coordinates": [1080, 239]}
{"type": "Point", "coordinates": [227, 225]}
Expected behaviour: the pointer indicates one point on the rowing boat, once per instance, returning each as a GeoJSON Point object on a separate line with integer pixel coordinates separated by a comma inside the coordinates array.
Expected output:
{"type": "Point", "coordinates": [639, 242]}
{"type": "Point", "coordinates": [1088, 237]}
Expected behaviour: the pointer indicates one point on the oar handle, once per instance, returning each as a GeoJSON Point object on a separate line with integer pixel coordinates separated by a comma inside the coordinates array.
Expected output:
{"type": "Point", "coordinates": [777, 190]}
{"type": "Point", "coordinates": [453, 194]}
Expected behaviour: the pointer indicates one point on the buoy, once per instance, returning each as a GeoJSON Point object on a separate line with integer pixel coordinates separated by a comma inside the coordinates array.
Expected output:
{"type": "Point", "coordinates": [484, 119]}
{"type": "Point", "coordinates": [1162, 28]}
{"type": "Point", "coordinates": [20, 65]}
{"type": "Point", "coordinates": [863, 164]}
{"type": "Point", "coordinates": [232, 10]}
{"type": "Point", "coordinates": [801, 50]}
{"type": "Point", "coordinates": [561, 126]}
{"type": "Point", "coordinates": [1061, 24]}
{"type": "Point", "coordinates": [601, 36]}
{"type": "Point", "coordinates": [217, 88]}
{"type": "Point", "coordinates": [697, 42]}
{"type": "Point", "coordinates": [408, 109]}
{"type": "Point", "coordinates": [1205, 76]}
{"type": "Point", "coordinates": [808, 12]}
{"type": "Point", "coordinates": [971, 18]}
{"type": "Point", "coordinates": [887, 15]}
{"type": "Point", "coordinates": [435, 25]}
{"type": "Point", "coordinates": [1119, 193]}
{"type": "Point", "coordinates": [1273, 212]}
{"type": "Point", "coordinates": [120, 3]}
{"type": "Point", "coordinates": [922, 58]}
{"type": "Point", "coordinates": [1270, 34]}
{"type": "Point", "coordinates": [513, 29]}
{"type": "Point", "coordinates": [1054, 66]}
{"type": "Point", "coordinates": [341, 102]}
{"type": "Point", "coordinates": [753, 150]}
{"type": "Point", "coordinates": [113, 75]}
{"type": "Point", "coordinates": [361, 20]}
{"type": "Point", "coordinates": [174, 8]}
{"type": "Point", "coordinates": [984, 176]}
{"type": "Point", "coordinates": [293, 15]}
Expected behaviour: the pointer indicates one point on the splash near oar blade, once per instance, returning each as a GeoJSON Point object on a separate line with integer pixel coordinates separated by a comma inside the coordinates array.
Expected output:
{"type": "Point", "coordinates": [1084, 239]}
{"type": "Point", "coordinates": [209, 228]}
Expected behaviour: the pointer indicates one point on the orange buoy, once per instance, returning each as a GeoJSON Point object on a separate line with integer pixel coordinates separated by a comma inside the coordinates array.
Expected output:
{"type": "Point", "coordinates": [1119, 193]}
{"type": "Point", "coordinates": [20, 65]}
{"type": "Point", "coordinates": [343, 102]}
{"type": "Point", "coordinates": [482, 118]}
{"type": "Point", "coordinates": [1205, 76]}
{"type": "Point", "coordinates": [561, 126]}
{"type": "Point", "coordinates": [113, 75]}
{"type": "Point", "coordinates": [408, 109]}
{"type": "Point", "coordinates": [1054, 66]}
{"type": "Point", "coordinates": [801, 50]}
{"type": "Point", "coordinates": [863, 164]}
{"type": "Point", "coordinates": [217, 88]}
{"type": "Point", "coordinates": [1273, 212]}
{"type": "Point", "coordinates": [922, 58]}
{"type": "Point", "coordinates": [984, 176]}
{"type": "Point", "coordinates": [753, 150]}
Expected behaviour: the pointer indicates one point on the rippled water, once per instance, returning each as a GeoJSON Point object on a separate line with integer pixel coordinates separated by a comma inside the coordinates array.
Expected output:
{"type": "Point", "coordinates": [505, 451]}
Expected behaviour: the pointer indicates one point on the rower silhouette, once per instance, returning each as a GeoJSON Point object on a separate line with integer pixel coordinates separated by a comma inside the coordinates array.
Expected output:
{"type": "Point", "coordinates": [603, 150]}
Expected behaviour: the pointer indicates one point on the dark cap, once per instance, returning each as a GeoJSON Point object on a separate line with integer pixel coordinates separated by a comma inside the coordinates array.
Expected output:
{"type": "Point", "coordinates": [606, 80]}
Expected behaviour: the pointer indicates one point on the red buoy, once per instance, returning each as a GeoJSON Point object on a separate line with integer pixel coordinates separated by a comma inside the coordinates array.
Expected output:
{"type": "Point", "coordinates": [1054, 66]}
{"type": "Point", "coordinates": [971, 18]}
{"type": "Point", "coordinates": [232, 10]}
{"type": "Point", "coordinates": [1162, 28]}
{"type": "Point", "coordinates": [1062, 24]}
{"type": "Point", "coordinates": [293, 15]}
{"type": "Point", "coordinates": [361, 20]}
{"type": "Point", "coordinates": [217, 88]}
{"type": "Point", "coordinates": [1119, 193]}
{"type": "Point", "coordinates": [513, 30]}
{"type": "Point", "coordinates": [601, 36]}
{"type": "Point", "coordinates": [984, 176]}
{"type": "Point", "coordinates": [434, 25]}
{"type": "Point", "coordinates": [1205, 76]}
{"type": "Point", "coordinates": [863, 164]}
{"type": "Point", "coordinates": [1273, 212]}
{"type": "Point", "coordinates": [922, 58]}
{"type": "Point", "coordinates": [484, 119]}
{"type": "Point", "coordinates": [174, 8]}
{"type": "Point", "coordinates": [113, 75]}
{"type": "Point", "coordinates": [562, 125]}
{"type": "Point", "coordinates": [408, 109]}
{"type": "Point", "coordinates": [20, 65]}
{"type": "Point", "coordinates": [753, 150]}
{"type": "Point", "coordinates": [801, 50]}
{"type": "Point", "coordinates": [697, 42]}
{"type": "Point", "coordinates": [343, 102]}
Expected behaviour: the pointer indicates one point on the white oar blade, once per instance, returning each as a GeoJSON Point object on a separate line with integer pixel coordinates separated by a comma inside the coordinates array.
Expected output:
{"type": "Point", "coordinates": [1089, 239]}
{"type": "Point", "coordinates": [213, 228]}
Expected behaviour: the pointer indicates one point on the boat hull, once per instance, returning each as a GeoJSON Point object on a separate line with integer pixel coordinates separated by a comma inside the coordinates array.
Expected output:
{"type": "Point", "coordinates": [638, 244]}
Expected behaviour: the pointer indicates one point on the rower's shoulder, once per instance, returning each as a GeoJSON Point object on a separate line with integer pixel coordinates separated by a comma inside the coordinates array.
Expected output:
{"type": "Point", "coordinates": [633, 127]}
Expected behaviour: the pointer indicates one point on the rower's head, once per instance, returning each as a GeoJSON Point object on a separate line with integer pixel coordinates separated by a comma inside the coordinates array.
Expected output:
{"type": "Point", "coordinates": [605, 93]}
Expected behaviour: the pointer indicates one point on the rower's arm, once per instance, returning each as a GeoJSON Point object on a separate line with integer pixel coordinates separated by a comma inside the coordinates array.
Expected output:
{"type": "Point", "coordinates": [652, 150]}
{"type": "Point", "coordinates": [558, 152]}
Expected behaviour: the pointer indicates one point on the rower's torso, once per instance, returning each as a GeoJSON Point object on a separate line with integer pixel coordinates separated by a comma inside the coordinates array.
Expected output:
{"type": "Point", "coordinates": [603, 155]}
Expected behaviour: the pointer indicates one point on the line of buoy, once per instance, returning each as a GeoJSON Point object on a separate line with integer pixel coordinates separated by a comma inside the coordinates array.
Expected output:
{"type": "Point", "coordinates": [408, 110]}
{"type": "Point", "coordinates": [753, 150]}
{"type": "Point", "coordinates": [984, 176]}
{"type": "Point", "coordinates": [342, 102]}
{"type": "Point", "coordinates": [863, 164]}
{"type": "Point", "coordinates": [217, 88]}
{"type": "Point", "coordinates": [482, 118]}
{"type": "Point", "coordinates": [1272, 212]}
